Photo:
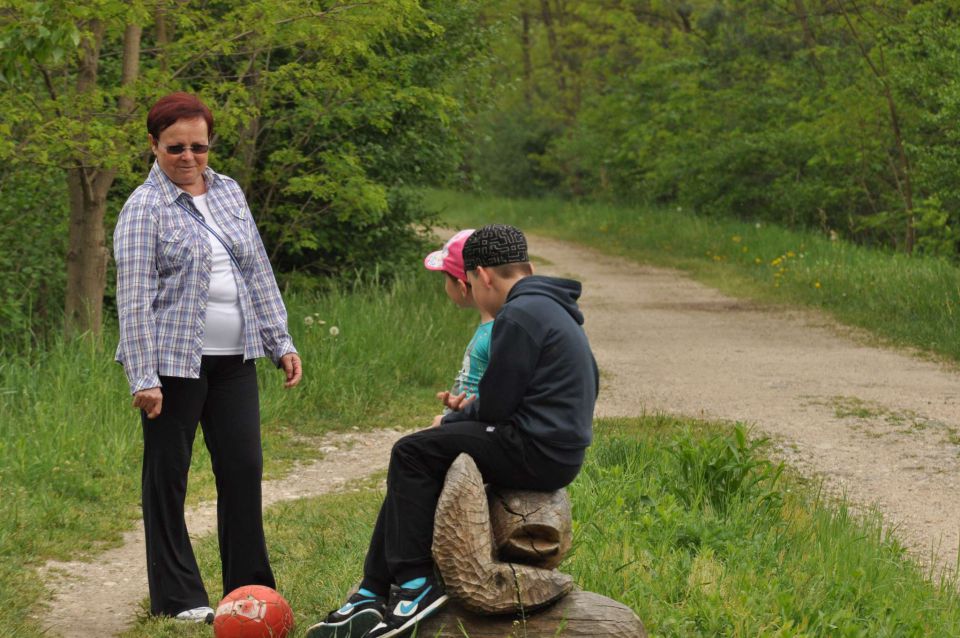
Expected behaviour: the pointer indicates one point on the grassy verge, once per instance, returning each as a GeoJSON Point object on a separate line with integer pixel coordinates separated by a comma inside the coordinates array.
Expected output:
{"type": "Point", "coordinates": [685, 522]}
{"type": "Point", "coordinates": [70, 445]}
{"type": "Point", "coordinates": [912, 301]}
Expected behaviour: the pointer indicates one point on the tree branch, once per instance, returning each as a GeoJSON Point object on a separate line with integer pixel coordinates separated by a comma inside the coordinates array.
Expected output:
{"type": "Point", "coordinates": [240, 36]}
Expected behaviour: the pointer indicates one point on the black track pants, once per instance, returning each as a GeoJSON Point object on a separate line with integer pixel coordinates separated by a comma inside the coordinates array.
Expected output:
{"type": "Point", "coordinates": [400, 547]}
{"type": "Point", "coordinates": [224, 400]}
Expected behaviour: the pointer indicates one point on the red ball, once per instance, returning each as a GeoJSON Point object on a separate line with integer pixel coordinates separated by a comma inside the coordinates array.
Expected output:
{"type": "Point", "coordinates": [253, 611]}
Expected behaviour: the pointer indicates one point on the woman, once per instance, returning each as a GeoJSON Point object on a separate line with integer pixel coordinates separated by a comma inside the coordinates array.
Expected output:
{"type": "Point", "coordinates": [198, 303]}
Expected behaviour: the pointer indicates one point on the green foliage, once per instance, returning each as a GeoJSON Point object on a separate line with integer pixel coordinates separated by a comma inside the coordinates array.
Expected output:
{"type": "Point", "coordinates": [33, 233]}
{"type": "Point", "coordinates": [324, 111]}
{"type": "Point", "coordinates": [837, 116]}
{"type": "Point", "coordinates": [717, 472]}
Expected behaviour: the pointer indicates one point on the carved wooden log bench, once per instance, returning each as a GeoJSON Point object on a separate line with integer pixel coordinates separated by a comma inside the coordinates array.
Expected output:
{"type": "Point", "coordinates": [497, 554]}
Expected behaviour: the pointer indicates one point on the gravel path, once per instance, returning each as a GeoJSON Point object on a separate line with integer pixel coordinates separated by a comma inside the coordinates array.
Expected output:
{"type": "Point", "coordinates": [101, 598]}
{"type": "Point", "coordinates": [880, 425]}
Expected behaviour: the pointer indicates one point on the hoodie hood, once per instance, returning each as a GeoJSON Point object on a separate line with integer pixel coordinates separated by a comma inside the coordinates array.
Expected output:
{"type": "Point", "coordinates": [565, 292]}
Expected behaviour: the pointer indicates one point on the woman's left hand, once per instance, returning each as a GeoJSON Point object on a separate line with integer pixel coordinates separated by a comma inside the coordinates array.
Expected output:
{"type": "Point", "coordinates": [290, 363]}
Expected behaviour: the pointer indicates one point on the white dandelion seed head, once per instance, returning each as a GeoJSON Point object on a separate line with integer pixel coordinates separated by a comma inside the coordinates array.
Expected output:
{"type": "Point", "coordinates": [308, 320]}
{"type": "Point", "coordinates": [334, 331]}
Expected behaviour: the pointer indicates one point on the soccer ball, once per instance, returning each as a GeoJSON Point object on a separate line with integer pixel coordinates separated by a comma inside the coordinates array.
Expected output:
{"type": "Point", "coordinates": [253, 611]}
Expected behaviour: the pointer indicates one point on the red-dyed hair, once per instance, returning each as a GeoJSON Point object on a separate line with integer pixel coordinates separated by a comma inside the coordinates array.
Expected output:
{"type": "Point", "coordinates": [177, 106]}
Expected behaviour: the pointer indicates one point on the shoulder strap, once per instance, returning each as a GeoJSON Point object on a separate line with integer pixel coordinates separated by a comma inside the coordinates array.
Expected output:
{"type": "Point", "coordinates": [196, 216]}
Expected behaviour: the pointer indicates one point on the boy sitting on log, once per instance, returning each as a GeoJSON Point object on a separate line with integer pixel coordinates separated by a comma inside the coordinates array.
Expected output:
{"type": "Point", "coordinates": [528, 429]}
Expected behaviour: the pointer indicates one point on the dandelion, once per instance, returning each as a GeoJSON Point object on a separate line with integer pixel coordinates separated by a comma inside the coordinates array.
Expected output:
{"type": "Point", "coordinates": [757, 261]}
{"type": "Point", "coordinates": [790, 253]}
{"type": "Point", "coordinates": [334, 331]}
{"type": "Point", "coordinates": [816, 284]}
{"type": "Point", "coordinates": [736, 239]}
{"type": "Point", "coordinates": [744, 249]}
{"type": "Point", "coordinates": [308, 320]}
{"type": "Point", "coordinates": [777, 261]}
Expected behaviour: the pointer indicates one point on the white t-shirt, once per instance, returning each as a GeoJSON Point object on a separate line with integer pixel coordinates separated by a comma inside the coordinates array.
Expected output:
{"type": "Point", "coordinates": [224, 329]}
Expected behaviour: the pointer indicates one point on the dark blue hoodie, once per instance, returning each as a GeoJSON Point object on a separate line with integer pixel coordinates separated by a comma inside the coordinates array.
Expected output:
{"type": "Point", "coordinates": [542, 376]}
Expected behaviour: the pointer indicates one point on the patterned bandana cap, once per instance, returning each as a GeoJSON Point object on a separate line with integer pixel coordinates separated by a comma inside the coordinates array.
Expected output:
{"type": "Point", "coordinates": [495, 245]}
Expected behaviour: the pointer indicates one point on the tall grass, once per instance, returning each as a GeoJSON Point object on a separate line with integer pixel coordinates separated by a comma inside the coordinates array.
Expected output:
{"type": "Point", "coordinates": [760, 556]}
{"type": "Point", "coordinates": [913, 301]}
{"type": "Point", "coordinates": [70, 444]}
{"type": "Point", "coordinates": [693, 528]}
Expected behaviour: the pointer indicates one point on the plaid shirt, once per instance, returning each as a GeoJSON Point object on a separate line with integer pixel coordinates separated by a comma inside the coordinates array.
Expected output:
{"type": "Point", "coordinates": [163, 274]}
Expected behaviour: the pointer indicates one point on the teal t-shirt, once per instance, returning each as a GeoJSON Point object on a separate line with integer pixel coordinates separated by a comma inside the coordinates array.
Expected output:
{"type": "Point", "coordinates": [475, 360]}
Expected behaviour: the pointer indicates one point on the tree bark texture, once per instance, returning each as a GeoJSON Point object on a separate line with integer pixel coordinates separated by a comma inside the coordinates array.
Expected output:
{"type": "Point", "coordinates": [464, 553]}
{"type": "Point", "coordinates": [88, 186]}
{"type": "Point", "coordinates": [87, 252]}
{"type": "Point", "coordinates": [525, 47]}
{"type": "Point", "coordinates": [578, 615]}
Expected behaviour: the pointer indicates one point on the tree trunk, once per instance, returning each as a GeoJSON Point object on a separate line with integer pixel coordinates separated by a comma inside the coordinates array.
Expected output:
{"type": "Point", "coordinates": [578, 615]}
{"type": "Point", "coordinates": [546, 13]}
{"type": "Point", "coordinates": [525, 46]}
{"type": "Point", "coordinates": [809, 40]}
{"type": "Point", "coordinates": [87, 252]}
{"type": "Point", "coordinates": [902, 170]}
{"type": "Point", "coordinates": [162, 34]}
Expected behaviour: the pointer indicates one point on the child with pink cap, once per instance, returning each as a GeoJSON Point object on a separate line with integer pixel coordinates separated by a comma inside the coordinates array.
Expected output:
{"type": "Point", "coordinates": [449, 260]}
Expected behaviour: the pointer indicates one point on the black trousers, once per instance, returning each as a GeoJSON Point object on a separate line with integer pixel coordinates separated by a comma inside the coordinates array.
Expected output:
{"type": "Point", "coordinates": [225, 401]}
{"type": "Point", "coordinates": [400, 548]}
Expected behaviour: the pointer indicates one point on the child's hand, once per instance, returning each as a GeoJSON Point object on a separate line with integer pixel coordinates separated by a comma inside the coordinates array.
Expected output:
{"type": "Point", "coordinates": [460, 401]}
{"type": "Point", "coordinates": [442, 397]}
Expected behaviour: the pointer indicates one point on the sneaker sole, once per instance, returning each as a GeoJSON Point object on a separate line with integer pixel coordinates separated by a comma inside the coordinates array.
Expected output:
{"type": "Point", "coordinates": [355, 626]}
{"type": "Point", "coordinates": [418, 618]}
{"type": "Point", "coordinates": [207, 620]}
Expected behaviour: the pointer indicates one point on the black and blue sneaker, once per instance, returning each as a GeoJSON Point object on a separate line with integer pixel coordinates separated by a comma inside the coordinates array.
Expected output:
{"type": "Point", "coordinates": [362, 611]}
{"type": "Point", "coordinates": [411, 603]}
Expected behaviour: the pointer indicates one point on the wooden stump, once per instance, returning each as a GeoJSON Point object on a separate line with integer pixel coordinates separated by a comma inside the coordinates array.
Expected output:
{"type": "Point", "coordinates": [578, 615]}
{"type": "Point", "coordinates": [534, 528]}
{"type": "Point", "coordinates": [464, 553]}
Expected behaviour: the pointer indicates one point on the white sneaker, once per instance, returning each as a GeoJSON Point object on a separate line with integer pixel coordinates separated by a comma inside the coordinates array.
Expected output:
{"type": "Point", "coordinates": [197, 614]}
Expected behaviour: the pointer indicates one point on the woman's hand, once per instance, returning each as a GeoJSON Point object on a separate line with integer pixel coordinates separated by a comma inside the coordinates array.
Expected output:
{"type": "Point", "coordinates": [437, 421]}
{"type": "Point", "coordinates": [150, 401]}
{"type": "Point", "coordinates": [290, 363]}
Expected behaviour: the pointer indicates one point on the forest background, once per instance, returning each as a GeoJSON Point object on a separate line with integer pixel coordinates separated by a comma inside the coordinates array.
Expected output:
{"type": "Point", "coordinates": [836, 115]}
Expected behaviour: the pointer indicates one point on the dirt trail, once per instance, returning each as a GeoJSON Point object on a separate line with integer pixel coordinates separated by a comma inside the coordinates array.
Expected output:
{"type": "Point", "coordinates": [879, 425]}
{"type": "Point", "coordinates": [101, 598]}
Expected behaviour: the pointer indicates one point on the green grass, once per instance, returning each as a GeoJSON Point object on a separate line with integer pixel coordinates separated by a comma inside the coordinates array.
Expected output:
{"type": "Point", "coordinates": [912, 301]}
{"type": "Point", "coordinates": [70, 444]}
{"type": "Point", "coordinates": [685, 522]}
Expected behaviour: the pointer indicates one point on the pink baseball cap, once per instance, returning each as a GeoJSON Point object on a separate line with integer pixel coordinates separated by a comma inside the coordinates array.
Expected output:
{"type": "Point", "coordinates": [450, 258]}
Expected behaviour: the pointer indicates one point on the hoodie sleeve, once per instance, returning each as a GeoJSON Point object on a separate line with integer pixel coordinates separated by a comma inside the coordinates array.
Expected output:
{"type": "Point", "coordinates": [513, 359]}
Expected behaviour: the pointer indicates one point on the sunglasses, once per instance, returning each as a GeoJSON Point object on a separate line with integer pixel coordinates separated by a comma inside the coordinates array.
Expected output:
{"type": "Point", "coordinates": [178, 149]}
